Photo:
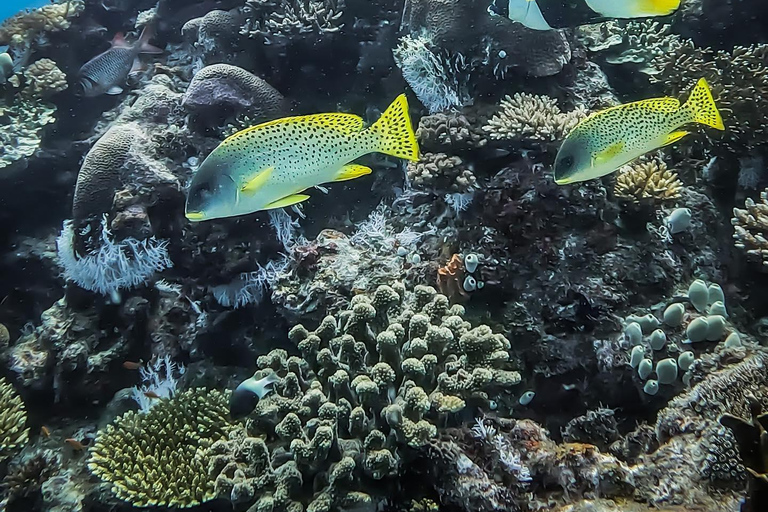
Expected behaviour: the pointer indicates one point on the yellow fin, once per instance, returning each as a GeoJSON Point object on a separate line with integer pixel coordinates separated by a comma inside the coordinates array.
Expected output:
{"type": "Point", "coordinates": [343, 123]}
{"type": "Point", "coordinates": [667, 105]}
{"type": "Point", "coordinates": [674, 137]}
{"type": "Point", "coordinates": [258, 181]}
{"type": "Point", "coordinates": [702, 106]}
{"type": "Point", "coordinates": [655, 7]}
{"type": "Point", "coordinates": [608, 153]}
{"type": "Point", "coordinates": [287, 201]}
{"type": "Point", "coordinates": [395, 132]}
{"type": "Point", "coordinates": [352, 171]}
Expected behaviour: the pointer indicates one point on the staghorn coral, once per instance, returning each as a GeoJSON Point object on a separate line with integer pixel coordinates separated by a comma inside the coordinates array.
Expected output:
{"type": "Point", "coordinates": [44, 78]}
{"type": "Point", "coordinates": [371, 381]}
{"type": "Point", "coordinates": [532, 117]}
{"type": "Point", "coordinates": [440, 172]}
{"type": "Point", "coordinates": [647, 180]}
{"type": "Point", "coordinates": [26, 25]}
{"type": "Point", "coordinates": [283, 20]}
{"type": "Point", "coordinates": [13, 419]}
{"type": "Point", "coordinates": [751, 229]}
{"type": "Point", "coordinates": [161, 458]}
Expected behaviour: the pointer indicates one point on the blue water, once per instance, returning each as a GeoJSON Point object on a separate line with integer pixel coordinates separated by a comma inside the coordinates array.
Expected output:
{"type": "Point", "coordinates": [10, 7]}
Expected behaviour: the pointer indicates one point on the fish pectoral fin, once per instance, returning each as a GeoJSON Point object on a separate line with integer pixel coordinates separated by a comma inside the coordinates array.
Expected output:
{"type": "Point", "coordinates": [352, 171]}
{"type": "Point", "coordinates": [287, 201]}
{"type": "Point", "coordinates": [608, 153]}
{"type": "Point", "coordinates": [115, 90]}
{"type": "Point", "coordinates": [257, 181]}
{"type": "Point", "coordinates": [674, 137]}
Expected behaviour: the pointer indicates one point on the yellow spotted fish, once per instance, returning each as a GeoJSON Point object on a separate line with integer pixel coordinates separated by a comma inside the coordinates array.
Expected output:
{"type": "Point", "coordinates": [270, 165]}
{"type": "Point", "coordinates": [606, 140]}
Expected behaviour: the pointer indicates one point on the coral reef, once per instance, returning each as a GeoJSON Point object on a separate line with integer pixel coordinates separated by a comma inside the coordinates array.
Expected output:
{"type": "Point", "coordinates": [440, 172]}
{"type": "Point", "coordinates": [161, 457]}
{"type": "Point", "coordinates": [751, 229]}
{"type": "Point", "coordinates": [650, 180]}
{"type": "Point", "coordinates": [44, 78]}
{"type": "Point", "coordinates": [531, 117]}
{"type": "Point", "coordinates": [13, 418]}
{"type": "Point", "coordinates": [276, 20]}
{"type": "Point", "coordinates": [27, 25]}
{"type": "Point", "coordinates": [372, 380]}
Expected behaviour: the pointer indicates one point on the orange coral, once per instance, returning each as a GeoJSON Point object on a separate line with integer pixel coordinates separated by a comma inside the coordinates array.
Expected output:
{"type": "Point", "coordinates": [450, 279]}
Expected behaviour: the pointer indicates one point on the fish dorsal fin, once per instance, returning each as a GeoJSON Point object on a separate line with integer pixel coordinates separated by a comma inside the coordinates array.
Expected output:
{"type": "Point", "coordinates": [287, 201]}
{"type": "Point", "coordinates": [608, 153]}
{"type": "Point", "coordinates": [340, 122]}
{"type": "Point", "coordinates": [352, 171]}
{"type": "Point", "coordinates": [256, 181]}
{"type": "Point", "coordinates": [674, 137]}
{"type": "Point", "coordinates": [119, 41]}
{"type": "Point", "coordinates": [664, 105]}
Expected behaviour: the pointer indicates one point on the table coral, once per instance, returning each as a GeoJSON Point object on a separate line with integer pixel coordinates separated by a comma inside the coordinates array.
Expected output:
{"type": "Point", "coordinates": [13, 419]}
{"type": "Point", "coordinates": [751, 229]}
{"type": "Point", "coordinates": [160, 458]}
{"type": "Point", "coordinates": [371, 380]}
{"type": "Point", "coordinates": [647, 180]}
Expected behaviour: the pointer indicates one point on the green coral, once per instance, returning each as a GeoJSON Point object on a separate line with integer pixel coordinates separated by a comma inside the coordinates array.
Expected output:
{"type": "Point", "coordinates": [372, 381]}
{"type": "Point", "coordinates": [161, 457]}
{"type": "Point", "coordinates": [13, 419]}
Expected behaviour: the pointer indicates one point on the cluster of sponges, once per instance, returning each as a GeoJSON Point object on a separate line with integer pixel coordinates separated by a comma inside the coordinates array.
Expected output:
{"type": "Point", "coordinates": [371, 380]}
{"type": "Point", "coordinates": [751, 229]}
{"type": "Point", "coordinates": [161, 457]}
{"type": "Point", "coordinates": [13, 419]}
{"type": "Point", "coordinates": [673, 338]}
{"type": "Point", "coordinates": [438, 171]}
{"type": "Point", "coordinates": [650, 180]}
{"type": "Point", "coordinates": [25, 26]}
{"type": "Point", "coordinates": [286, 19]}
{"type": "Point", "coordinates": [532, 117]}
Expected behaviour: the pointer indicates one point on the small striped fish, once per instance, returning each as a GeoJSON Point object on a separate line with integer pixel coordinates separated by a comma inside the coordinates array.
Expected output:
{"type": "Point", "coordinates": [105, 73]}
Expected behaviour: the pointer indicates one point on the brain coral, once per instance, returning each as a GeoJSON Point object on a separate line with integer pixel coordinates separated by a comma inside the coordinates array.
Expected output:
{"type": "Point", "coordinates": [230, 87]}
{"type": "Point", "coordinates": [161, 457]}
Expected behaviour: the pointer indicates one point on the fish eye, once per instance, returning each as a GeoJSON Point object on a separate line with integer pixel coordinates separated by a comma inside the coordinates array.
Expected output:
{"type": "Point", "coordinates": [566, 162]}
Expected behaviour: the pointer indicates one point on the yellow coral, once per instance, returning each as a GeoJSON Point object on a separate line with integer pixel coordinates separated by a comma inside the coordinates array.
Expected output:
{"type": "Point", "coordinates": [13, 419]}
{"type": "Point", "coordinates": [647, 180]}
{"type": "Point", "coordinates": [161, 457]}
{"type": "Point", "coordinates": [534, 117]}
{"type": "Point", "coordinates": [751, 229]}
{"type": "Point", "coordinates": [44, 78]}
{"type": "Point", "coordinates": [50, 18]}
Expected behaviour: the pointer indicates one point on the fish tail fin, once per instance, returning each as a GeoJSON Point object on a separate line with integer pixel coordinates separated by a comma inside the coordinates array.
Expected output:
{"type": "Point", "coordinates": [702, 108]}
{"type": "Point", "coordinates": [143, 42]}
{"type": "Point", "coordinates": [394, 132]}
{"type": "Point", "coordinates": [654, 7]}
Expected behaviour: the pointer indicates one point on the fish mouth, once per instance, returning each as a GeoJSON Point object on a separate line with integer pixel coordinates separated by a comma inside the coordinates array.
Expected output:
{"type": "Point", "coordinates": [195, 216]}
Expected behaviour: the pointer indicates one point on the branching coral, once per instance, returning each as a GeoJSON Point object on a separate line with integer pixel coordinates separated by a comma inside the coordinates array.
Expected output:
{"type": "Point", "coordinates": [751, 229]}
{"type": "Point", "coordinates": [630, 43]}
{"type": "Point", "coordinates": [739, 82]}
{"type": "Point", "coordinates": [287, 19]}
{"type": "Point", "coordinates": [161, 458]}
{"type": "Point", "coordinates": [438, 171]}
{"type": "Point", "coordinates": [647, 180]}
{"type": "Point", "coordinates": [44, 78]}
{"type": "Point", "coordinates": [27, 25]}
{"type": "Point", "coordinates": [371, 381]}
{"type": "Point", "coordinates": [532, 117]}
{"type": "Point", "coordinates": [13, 418]}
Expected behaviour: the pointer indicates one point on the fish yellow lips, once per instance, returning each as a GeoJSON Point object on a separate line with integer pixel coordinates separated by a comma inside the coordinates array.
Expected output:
{"type": "Point", "coordinates": [195, 216]}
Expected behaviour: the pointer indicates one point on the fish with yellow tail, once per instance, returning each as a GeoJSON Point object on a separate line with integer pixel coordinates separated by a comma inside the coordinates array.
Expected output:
{"type": "Point", "coordinates": [270, 165]}
{"type": "Point", "coordinates": [607, 140]}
